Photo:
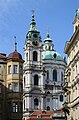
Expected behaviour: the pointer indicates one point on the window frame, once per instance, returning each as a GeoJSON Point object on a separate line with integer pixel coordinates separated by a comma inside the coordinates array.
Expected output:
{"type": "Point", "coordinates": [15, 88]}
{"type": "Point", "coordinates": [15, 69]}
{"type": "Point", "coordinates": [35, 56]}
{"type": "Point", "coordinates": [55, 75]}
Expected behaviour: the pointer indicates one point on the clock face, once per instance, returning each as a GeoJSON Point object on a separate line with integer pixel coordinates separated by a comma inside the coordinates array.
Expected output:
{"type": "Point", "coordinates": [35, 43]}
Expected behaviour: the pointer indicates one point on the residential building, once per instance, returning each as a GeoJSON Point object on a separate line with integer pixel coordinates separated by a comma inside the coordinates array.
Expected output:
{"type": "Point", "coordinates": [72, 72]}
{"type": "Point", "coordinates": [11, 71]}
{"type": "Point", "coordinates": [43, 75]}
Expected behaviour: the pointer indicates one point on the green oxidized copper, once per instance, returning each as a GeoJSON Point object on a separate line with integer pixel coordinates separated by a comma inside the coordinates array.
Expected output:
{"type": "Point", "coordinates": [49, 55]}
{"type": "Point", "coordinates": [33, 23]}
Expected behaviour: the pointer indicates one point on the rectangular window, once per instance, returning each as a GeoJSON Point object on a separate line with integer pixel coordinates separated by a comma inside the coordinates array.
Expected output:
{"type": "Point", "coordinates": [15, 107]}
{"type": "Point", "coordinates": [9, 69]}
{"type": "Point", "coordinates": [15, 87]}
{"type": "Point", "coordinates": [15, 69]}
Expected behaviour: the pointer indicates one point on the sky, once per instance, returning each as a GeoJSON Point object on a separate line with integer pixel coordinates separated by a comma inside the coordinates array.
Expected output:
{"type": "Point", "coordinates": [55, 16]}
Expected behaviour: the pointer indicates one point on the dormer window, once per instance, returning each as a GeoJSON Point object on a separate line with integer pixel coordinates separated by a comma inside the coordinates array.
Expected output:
{"type": "Point", "coordinates": [55, 55]}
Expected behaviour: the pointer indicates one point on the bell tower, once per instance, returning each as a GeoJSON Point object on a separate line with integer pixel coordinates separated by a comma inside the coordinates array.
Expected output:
{"type": "Point", "coordinates": [33, 70]}
{"type": "Point", "coordinates": [76, 20]}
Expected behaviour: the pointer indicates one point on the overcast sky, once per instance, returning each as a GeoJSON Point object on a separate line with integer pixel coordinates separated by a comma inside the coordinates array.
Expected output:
{"type": "Point", "coordinates": [53, 15]}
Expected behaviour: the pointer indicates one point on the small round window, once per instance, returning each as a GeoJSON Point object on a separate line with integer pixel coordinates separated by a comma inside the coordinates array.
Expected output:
{"type": "Point", "coordinates": [55, 55]}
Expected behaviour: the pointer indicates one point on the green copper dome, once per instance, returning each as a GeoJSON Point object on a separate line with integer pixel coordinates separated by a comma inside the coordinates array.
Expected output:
{"type": "Point", "coordinates": [49, 55]}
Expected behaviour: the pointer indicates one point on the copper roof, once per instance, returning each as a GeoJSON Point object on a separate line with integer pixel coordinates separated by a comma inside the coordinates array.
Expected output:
{"type": "Point", "coordinates": [15, 55]}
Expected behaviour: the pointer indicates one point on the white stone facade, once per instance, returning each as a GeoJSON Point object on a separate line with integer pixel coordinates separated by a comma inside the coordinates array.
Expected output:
{"type": "Point", "coordinates": [42, 89]}
{"type": "Point", "coordinates": [72, 72]}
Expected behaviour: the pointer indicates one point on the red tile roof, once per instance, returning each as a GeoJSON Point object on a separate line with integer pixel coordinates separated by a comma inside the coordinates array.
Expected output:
{"type": "Point", "coordinates": [44, 114]}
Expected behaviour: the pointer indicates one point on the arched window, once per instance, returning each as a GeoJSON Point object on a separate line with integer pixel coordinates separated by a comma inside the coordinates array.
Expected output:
{"type": "Point", "coordinates": [48, 92]}
{"type": "Point", "coordinates": [62, 76]}
{"type": "Point", "coordinates": [48, 108]}
{"type": "Point", "coordinates": [36, 102]}
{"type": "Point", "coordinates": [35, 56]}
{"type": "Point", "coordinates": [49, 47]}
{"type": "Point", "coordinates": [35, 79]}
{"type": "Point", "coordinates": [54, 75]}
{"type": "Point", "coordinates": [27, 56]}
{"type": "Point", "coordinates": [47, 75]}
{"type": "Point", "coordinates": [61, 98]}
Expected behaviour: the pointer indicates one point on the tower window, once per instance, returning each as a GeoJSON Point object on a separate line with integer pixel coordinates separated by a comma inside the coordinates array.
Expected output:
{"type": "Point", "coordinates": [35, 79]}
{"type": "Point", "coordinates": [48, 99]}
{"type": "Point", "coordinates": [48, 108]}
{"type": "Point", "coordinates": [26, 56]}
{"type": "Point", "coordinates": [9, 69]}
{"type": "Point", "coordinates": [48, 92]}
{"type": "Point", "coordinates": [47, 75]}
{"type": "Point", "coordinates": [61, 98]}
{"type": "Point", "coordinates": [45, 47]}
{"type": "Point", "coordinates": [54, 75]}
{"type": "Point", "coordinates": [15, 69]}
{"type": "Point", "coordinates": [49, 47]}
{"type": "Point", "coordinates": [35, 102]}
{"type": "Point", "coordinates": [62, 76]}
{"type": "Point", "coordinates": [35, 56]}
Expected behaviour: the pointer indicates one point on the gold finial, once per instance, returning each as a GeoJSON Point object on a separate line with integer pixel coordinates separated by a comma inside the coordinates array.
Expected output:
{"type": "Point", "coordinates": [15, 44]}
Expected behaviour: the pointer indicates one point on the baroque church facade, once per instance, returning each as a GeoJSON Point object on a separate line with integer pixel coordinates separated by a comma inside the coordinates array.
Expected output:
{"type": "Point", "coordinates": [43, 75]}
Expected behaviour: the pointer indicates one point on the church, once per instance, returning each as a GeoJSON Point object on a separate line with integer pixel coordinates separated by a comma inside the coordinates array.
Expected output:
{"type": "Point", "coordinates": [43, 77]}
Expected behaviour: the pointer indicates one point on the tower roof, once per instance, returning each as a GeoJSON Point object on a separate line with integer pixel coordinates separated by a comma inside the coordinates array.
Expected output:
{"type": "Point", "coordinates": [77, 13]}
{"type": "Point", "coordinates": [48, 39]}
{"type": "Point", "coordinates": [33, 23]}
{"type": "Point", "coordinates": [15, 55]}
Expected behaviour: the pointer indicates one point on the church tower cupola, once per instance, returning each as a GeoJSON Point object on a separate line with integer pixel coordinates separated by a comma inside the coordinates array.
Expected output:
{"type": "Point", "coordinates": [76, 20]}
{"type": "Point", "coordinates": [33, 32]}
{"type": "Point", "coordinates": [48, 45]}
